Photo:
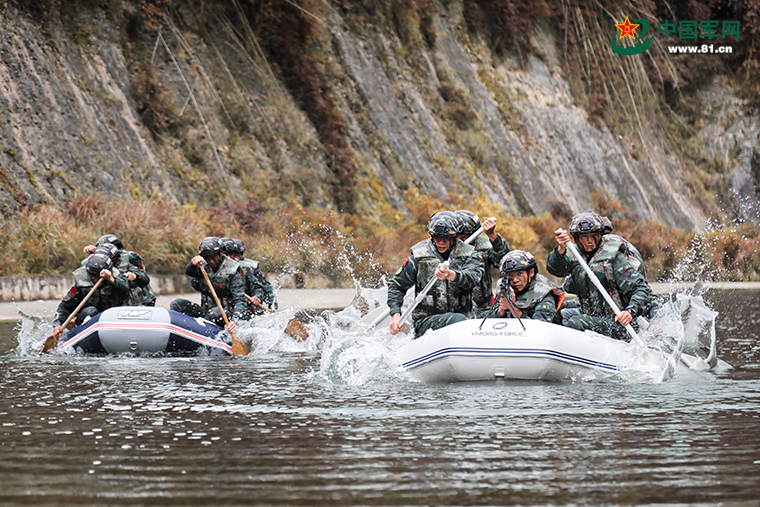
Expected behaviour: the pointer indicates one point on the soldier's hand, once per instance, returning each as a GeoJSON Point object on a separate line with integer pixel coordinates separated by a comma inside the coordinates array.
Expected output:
{"type": "Point", "coordinates": [131, 276]}
{"type": "Point", "coordinates": [255, 301]}
{"type": "Point", "coordinates": [503, 305]}
{"type": "Point", "coordinates": [90, 249]}
{"type": "Point", "coordinates": [230, 327]}
{"type": "Point", "coordinates": [563, 238]}
{"type": "Point", "coordinates": [106, 273]}
{"type": "Point", "coordinates": [395, 329]}
{"type": "Point", "coordinates": [624, 318]}
{"type": "Point", "coordinates": [444, 273]}
{"type": "Point", "coordinates": [197, 261]}
{"type": "Point", "coordinates": [57, 332]}
{"type": "Point", "coordinates": [489, 227]}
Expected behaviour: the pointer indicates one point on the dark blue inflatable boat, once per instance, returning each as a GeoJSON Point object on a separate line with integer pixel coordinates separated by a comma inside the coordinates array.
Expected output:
{"type": "Point", "coordinates": [146, 329]}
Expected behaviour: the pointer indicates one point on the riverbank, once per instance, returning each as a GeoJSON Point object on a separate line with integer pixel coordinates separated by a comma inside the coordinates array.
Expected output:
{"type": "Point", "coordinates": [313, 299]}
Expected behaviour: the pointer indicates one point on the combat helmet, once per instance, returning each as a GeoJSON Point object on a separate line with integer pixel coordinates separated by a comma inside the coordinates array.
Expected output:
{"type": "Point", "coordinates": [110, 238]}
{"type": "Point", "coordinates": [444, 224]}
{"type": "Point", "coordinates": [233, 246]}
{"type": "Point", "coordinates": [108, 250]}
{"type": "Point", "coordinates": [470, 222]}
{"type": "Point", "coordinates": [588, 221]}
{"type": "Point", "coordinates": [98, 262]}
{"type": "Point", "coordinates": [517, 260]}
{"type": "Point", "coordinates": [210, 246]}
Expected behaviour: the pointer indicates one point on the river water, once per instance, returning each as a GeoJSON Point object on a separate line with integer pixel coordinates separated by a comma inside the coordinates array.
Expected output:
{"type": "Point", "coordinates": [333, 422]}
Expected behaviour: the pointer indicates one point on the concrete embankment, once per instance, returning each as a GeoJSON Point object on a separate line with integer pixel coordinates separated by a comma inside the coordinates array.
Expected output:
{"type": "Point", "coordinates": [40, 295]}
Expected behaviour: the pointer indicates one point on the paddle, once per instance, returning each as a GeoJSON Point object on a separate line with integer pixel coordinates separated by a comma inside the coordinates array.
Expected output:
{"type": "Point", "coordinates": [51, 342]}
{"type": "Point", "coordinates": [574, 251]}
{"type": "Point", "coordinates": [387, 311]}
{"type": "Point", "coordinates": [294, 328]}
{"type": "Point", "coordinates": [696, 364]}
{"type": "Point", "coordinates": [238, 348]}
{"type": "Point", "coordinates": [432, 281]}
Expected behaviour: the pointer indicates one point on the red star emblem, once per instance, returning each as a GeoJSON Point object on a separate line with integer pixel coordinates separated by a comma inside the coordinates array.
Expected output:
{"type": "Point", "coordinates": [627, 28]}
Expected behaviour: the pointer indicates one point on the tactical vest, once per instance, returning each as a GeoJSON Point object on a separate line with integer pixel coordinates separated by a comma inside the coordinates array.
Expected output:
{"type": "Point", "coordinates": [104, 298]}
{"type": "Point", "coordinates": [535, 292]}
{"type": "Point", "coordinates": [481, 293]}
{"type": "Point", "coordinates": [220, 280]}
{"type": "Point", "coordinates": [138, 296]}
{"type": "Point", "coordinates": [443, 297]}
{"type": "Point", "coordinates": [592, 302]}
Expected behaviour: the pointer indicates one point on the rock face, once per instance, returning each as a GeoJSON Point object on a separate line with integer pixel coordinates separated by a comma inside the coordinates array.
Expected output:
{"type": "Point", "coordinates": [442, 117]}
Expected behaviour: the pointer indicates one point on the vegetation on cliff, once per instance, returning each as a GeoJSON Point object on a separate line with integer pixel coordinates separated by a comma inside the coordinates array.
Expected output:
{"type": "Point", "coordinates": [270, 137]}
{"type": "Point", "coordinates": [341, 247]}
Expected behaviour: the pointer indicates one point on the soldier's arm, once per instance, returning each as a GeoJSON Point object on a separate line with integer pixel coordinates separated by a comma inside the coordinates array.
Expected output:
{"type": "Point", "coordinates": [558, 264]}
{"type": "Point", "coordinates": [499, 249]}
{"type": "Point", "coordinates": [400, 284]}
{"type": "Point", "coordinates": [137, 266]}
{"type": "Point", "coordinates": [67, 305]}
{"type": "Point", "coordinates": [546, 309]}
{"type": "Point", "coordinates": [633, 285]}
{"type": "Point", "coordinates": [256, 284]}
{"type": "Point", "coordinates": [471, 272]}
{"type": "Point", "coordinates": [237, 292]}
{"type": "Point", "coordinates": [120, 284]}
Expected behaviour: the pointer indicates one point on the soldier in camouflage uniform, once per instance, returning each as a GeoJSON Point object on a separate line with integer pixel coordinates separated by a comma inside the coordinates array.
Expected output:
{"type": "Point", "coordinates": [491, 247]}
{"type": "Point", "coordinates": [112, 292]}
{"type": "Point", "coordinates": [450, 299]}
{"type": "Point", "coordinates": [131, 265]}
{"type": "Point", "coordinates": [534, 295]}
{"type": "Point", "coordinates": [617, 265]}
{"type": "Point", "coordinates": [256, 284]}
{"type": "Point", "coordinates": [227, 280]}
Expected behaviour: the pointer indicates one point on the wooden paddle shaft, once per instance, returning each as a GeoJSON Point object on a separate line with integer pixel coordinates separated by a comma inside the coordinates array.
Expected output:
{"type": "Point", "coordinates": [259, 305]}
{"type": "Point", "coordinates": [213, 293]}
{"type": "Point", "coordinates": [51, 342]}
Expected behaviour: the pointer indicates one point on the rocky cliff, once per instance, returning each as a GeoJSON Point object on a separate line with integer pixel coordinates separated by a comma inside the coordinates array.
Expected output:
{"type": "Point", "coordinates": [350, 106]}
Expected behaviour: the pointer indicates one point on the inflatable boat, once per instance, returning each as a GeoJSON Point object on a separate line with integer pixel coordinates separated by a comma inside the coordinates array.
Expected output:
{"type": "Point", "coordinates": [146, 329]}
{"type": "Point", "coordinates": [493, 349]}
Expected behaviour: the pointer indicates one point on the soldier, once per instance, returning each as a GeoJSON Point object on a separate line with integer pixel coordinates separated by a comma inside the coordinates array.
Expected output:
{"type": "Point", "coordinates": [616, 263]}
{"type": "Point", "coordinates": [131, 265]}
{"type": "Point", "coordinates": [450, 299]}
{"type": "Point", "coordinates": [112, 292]}
{"type": "Point", "coordinates": [227, 280]}
{"type": "Point", "coordinates": [533, 295]}
{"type": "Point", "coordinates": [491, 247]}
{"type": "Point", "coordinates": [256, 284]}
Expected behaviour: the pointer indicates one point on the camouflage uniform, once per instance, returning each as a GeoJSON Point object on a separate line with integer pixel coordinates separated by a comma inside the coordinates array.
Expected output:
{"type": "Point", "coordinates": [447, 302]}
{"type": "Point", "coordinates": [140, 293]}
{"type": "Point", "coordinates": [256, 284]}
{"type": "Point", "coordinates": [539, 300]}
{"type": "Point", "coordinates": [229, 286]}
{"type": "Point", "coordinates": [491, 253]}
{"type": "Point", "coordinates": [107, 296]}
{"type": "Point", "coordinates": [619, 268]}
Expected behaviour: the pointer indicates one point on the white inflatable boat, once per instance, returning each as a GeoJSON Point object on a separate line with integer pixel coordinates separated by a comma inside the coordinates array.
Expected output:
{"type": "Point", "coordinates": [146, 329]}
{"type": "Point", "coordinates": [494, 349]}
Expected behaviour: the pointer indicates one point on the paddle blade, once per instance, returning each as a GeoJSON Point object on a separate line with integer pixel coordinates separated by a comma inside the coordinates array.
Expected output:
{"type": "Point", "coordinates": [297, 330]}
{"type": "Point", "coordinates": [51, 342]}
{"type": "Point", "coordinates": [238, 348]}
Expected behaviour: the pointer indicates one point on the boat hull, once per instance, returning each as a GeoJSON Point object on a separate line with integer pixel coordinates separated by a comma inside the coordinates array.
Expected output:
{"type": "Point", "coordinates": [146, 329]}
{"type": "Point", "coordinates": [502, 349]}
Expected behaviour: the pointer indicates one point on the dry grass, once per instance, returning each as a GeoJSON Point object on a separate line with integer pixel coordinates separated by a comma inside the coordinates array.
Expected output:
{"type": "Point", "coordinates": [344, 248]}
